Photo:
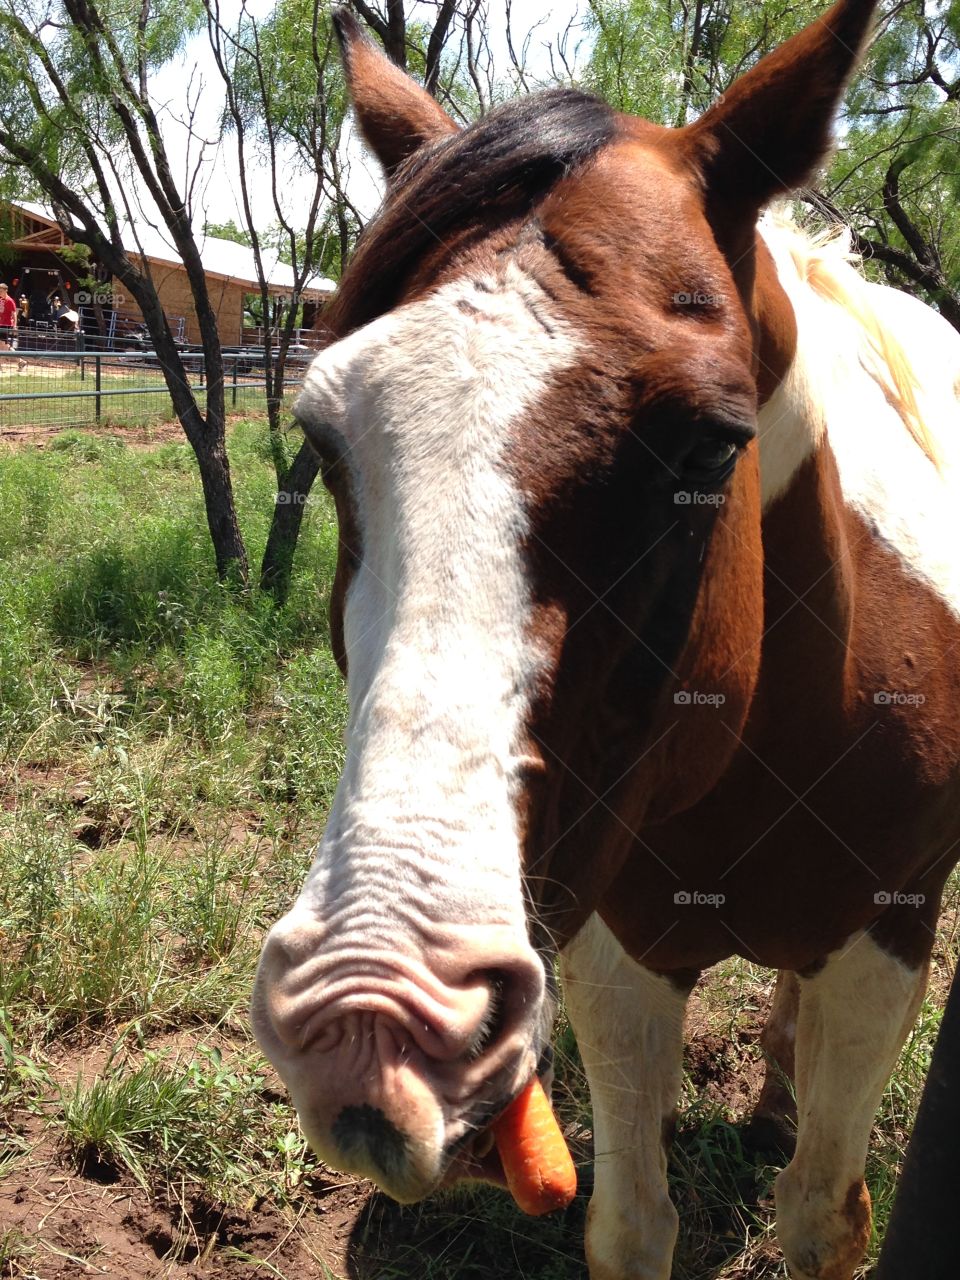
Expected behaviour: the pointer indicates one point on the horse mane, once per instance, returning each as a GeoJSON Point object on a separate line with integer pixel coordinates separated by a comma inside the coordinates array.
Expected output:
{"type": "Point", "coordinates": [826, 262]}
{"type": "Point", "coordinates": [497, 168]}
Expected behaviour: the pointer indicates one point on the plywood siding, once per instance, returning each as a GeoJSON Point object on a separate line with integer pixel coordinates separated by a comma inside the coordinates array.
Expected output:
{"type": "Point", "coordinates": [173, 289]}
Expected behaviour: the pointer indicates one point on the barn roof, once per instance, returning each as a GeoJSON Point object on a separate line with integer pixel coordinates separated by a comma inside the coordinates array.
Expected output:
{"type": "Point", "coordinates": [221, 258]}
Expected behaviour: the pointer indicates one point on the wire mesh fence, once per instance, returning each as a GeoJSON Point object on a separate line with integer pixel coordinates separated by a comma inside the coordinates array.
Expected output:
{"type": "Point", "coordinates": [72, 386]}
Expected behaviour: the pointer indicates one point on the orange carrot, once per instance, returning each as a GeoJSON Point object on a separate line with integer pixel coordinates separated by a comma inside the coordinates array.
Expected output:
{"type": "Point", "coordinates": [534, 1155]}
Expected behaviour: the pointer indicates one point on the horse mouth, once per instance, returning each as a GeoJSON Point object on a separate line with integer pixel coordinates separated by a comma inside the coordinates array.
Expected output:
{"type": "Point", "coordinates": [477, 1161]}
{"type": "Point", "coordinates": [477, 1158]}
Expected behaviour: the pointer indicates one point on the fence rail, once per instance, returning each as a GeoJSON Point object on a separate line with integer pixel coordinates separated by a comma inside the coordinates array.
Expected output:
{"type": "Point", "coordinates": [78, 387]}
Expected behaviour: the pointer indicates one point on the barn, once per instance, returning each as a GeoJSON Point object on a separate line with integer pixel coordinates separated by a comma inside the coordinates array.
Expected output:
{"type": "Point", "coordinates": [35, 260]}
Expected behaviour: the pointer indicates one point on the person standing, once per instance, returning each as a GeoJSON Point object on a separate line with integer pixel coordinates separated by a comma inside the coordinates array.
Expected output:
{"type": "Point", "coordinates": [8, 318]}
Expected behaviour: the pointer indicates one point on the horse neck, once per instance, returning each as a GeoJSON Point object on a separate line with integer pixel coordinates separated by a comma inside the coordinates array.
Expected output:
{"type": "Point", "coordinates": [808, 574]}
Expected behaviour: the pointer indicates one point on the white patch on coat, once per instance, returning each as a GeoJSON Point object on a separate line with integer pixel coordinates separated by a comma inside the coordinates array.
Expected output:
{"type": "Point", "coordinates": [855, 1015]}
{"type": "Point", "coordinates": [830, 394]}
{"type": "Point", "coordinates": [629, 1027]}
{"type": "Point", "coordinates": [440, 667]}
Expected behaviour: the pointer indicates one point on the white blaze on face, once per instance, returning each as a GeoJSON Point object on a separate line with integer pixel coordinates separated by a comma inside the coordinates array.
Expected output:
{"type": "Point", "coordinates": [440, 666]}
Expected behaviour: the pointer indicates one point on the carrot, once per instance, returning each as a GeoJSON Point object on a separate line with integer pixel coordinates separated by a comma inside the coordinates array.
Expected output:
{"type": "Point", "coordinates": [538, 1167]}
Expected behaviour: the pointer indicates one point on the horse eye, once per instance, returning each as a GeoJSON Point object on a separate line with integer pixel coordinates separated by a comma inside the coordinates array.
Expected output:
{"type": "Point", "coordinates": [711, 459]}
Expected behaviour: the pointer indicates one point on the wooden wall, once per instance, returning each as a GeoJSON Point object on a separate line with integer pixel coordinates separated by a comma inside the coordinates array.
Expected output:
{"type": "Point", "coordinates": [173, 289]}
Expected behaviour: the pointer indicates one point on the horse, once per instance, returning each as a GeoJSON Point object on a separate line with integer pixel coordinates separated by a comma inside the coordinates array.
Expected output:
{"type": "Point", "coordinates": [648, 604]}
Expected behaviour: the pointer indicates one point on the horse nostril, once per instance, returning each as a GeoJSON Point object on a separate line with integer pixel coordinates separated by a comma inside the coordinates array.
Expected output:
{"type": "Point", "coordinates": [500, 1013]}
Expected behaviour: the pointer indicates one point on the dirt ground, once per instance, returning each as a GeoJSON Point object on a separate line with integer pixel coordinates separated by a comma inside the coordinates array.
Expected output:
{"type": "Point", "coordinates": [147, 436]}
{"type": "Point", "coordinates": [82, 1226]}
{"type": "Point", "coordinates": [92, 1222]}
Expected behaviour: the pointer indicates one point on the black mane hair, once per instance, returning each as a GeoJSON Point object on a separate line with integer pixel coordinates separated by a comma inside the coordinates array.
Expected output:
{"type": "Point", "coordinates": [500, 165]}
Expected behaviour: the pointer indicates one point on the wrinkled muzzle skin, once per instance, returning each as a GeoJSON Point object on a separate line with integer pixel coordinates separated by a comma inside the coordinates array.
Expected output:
{"type": "Point", "coordinates": [401, 999]}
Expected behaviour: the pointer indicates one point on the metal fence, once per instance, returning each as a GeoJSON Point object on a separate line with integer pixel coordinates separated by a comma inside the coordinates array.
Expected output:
{"type": "Point", "coordinates": [74, 386]}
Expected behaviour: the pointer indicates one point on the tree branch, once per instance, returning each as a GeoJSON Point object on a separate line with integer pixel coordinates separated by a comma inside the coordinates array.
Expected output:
{"type": "Point", "coordinates": [437, 42]}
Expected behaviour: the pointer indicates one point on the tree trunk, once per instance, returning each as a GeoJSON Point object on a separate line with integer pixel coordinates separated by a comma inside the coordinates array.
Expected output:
{"type": "Point", "coordinates": [228, 548]}
{"type": "Point", "coordinates": [206, 432]}
{"type": "Point", "coordinates": [293, 491]}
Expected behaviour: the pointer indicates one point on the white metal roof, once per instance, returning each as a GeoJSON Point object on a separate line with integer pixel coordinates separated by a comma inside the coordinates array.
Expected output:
{"type": "Point", "coordinates": [222, 258]}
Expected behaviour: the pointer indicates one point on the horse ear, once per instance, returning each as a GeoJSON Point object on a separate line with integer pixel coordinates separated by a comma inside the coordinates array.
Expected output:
{"type": "Point", "coordinates": [396, 116]}
{"type": "Point", "coordinates": [772, 127]}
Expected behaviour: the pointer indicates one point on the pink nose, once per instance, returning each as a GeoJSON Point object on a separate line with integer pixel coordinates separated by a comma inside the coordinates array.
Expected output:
{"type": "Point", "coordinates": [319, 1001]}
{"type": "Point", "coordinates": [363, 1014]}
{"type": "Point", "coordinates": [395, 1054]}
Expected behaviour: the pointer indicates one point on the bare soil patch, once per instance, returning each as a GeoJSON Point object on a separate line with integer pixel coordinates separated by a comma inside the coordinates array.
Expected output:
{"type": "Point", "coordinates": [139, 437]}
{"type": "Point", "coordinates": [94, 1222]}
{"type": "Point", "coordinates": [76, 1225]}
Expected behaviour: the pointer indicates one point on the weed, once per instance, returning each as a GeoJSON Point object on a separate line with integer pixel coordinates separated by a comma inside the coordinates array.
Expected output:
{"type": "Point", "coordinates": [86, 447]}
{"type": "Point", "coordinates": [217, 887]}
{"type": "Point", "coordinates": [204, 1121]}
{"type": "Point", "coordinates": [15, 1246]}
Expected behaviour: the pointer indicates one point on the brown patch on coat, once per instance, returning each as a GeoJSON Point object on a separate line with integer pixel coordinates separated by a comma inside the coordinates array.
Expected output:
{"type": "Point", "coordinates": [776, 326]}
{"type": "Point", "coordinates": [857, 1213]}
{"type": "Point", "coordinates": [833, 799]}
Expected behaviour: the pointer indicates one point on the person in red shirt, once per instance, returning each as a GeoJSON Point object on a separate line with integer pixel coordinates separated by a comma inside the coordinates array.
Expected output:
{"type": "Point", "coordinates": [8, 317]}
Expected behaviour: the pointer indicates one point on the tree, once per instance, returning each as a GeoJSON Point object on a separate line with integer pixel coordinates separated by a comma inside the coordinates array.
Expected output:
{"type": "Point", "coordinates": [77, 117]}
{"type": "Point", "coordinates": [896, 178]}
{"type": "Point", "coordinates": [227, 231]}
{"type": "Point", "coordinates": [284, 110]}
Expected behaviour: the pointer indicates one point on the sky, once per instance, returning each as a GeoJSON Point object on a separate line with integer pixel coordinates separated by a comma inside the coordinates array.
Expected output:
{"type": "Point", "coordinates": [194, 77]}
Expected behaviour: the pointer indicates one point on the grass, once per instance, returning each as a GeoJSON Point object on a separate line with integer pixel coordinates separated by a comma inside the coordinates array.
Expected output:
{"type": "Point", "coordinates": [15, 1248]}
{"type": "Point", "coordinates": [168, 753]}
{"type": "Point", "coordinates": [163, 1120]}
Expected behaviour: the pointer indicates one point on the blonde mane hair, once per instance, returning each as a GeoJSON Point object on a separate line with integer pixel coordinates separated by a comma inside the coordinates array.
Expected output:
{"type": "Point", "coordinates": [826, 262]}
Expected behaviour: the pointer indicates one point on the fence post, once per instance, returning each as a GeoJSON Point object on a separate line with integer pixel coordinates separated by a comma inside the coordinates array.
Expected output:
{"type": "Point", "coordinates": [81, 347]}
{"type": "Point", "coordinates": [96, 374]}
{"type": "Point", "coordinates": [235, 359]}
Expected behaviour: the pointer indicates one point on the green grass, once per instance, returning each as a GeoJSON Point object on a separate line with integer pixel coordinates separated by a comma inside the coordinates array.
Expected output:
{"type": "Point", "coordinates": [168, 751]}
{"type": "Point", "coordinates": [168, 754]}
{"type": "Point", "coordinates": [15, 1248]}
{"type": "Point", "coordinates": [164, 1120]}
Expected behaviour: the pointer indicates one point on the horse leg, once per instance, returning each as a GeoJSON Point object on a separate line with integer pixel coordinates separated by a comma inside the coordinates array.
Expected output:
{"type": "Point", "coordinates": [773, 1124]}
{"type": "Point", "coordinates": [855, 1014]}
{"type": "Point", "coordinates": [629, 1026]}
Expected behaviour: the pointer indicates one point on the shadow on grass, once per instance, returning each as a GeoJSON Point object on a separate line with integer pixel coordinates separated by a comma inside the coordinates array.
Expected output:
{"type": "Point", "coordinates": [721, 1187]}
{"type": "Point", "coordinates": [472, 1233]}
